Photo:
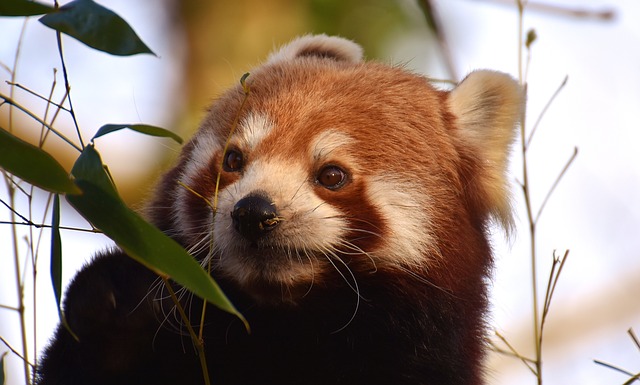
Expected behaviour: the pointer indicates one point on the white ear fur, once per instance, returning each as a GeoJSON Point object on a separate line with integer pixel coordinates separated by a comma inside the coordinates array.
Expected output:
{"type": "Point", "coordinates": [488, 106]}
{"type": "Point", "coordinates": [321, 46]}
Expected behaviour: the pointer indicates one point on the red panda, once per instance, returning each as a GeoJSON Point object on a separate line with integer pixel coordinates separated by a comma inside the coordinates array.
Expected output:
{"type": "Point", "coordinates": [351, 230]}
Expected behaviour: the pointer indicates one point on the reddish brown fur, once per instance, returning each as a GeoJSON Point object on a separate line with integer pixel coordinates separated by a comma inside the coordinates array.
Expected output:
{"type": "Point", "coordinates": [415, 319]}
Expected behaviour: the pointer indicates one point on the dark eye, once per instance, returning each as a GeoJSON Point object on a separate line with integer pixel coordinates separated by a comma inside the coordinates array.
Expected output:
{"type": "Point", "coordinates": [233, 161]}
{"type": "Point", "coordinates": [332, 177]}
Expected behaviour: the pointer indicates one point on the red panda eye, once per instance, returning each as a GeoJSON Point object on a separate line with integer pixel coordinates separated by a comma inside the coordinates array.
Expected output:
{"type": "Point", "coordinates": [233, 161]}
{"type": "Point", "coordinates": [332, 177]}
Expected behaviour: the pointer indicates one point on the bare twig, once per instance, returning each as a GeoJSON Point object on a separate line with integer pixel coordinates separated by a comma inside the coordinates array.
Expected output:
{"type": "Point", "coordinates": [555, 183]}
{"type": "Point", "coordinates": [47, 226]}
{"type": "Point", "coordinates": [528, 362]}
{"type": "Point", "coordinates": [14, 351]}
{"type": "Point", "coordinates": [10, 101]}
{"type": "Point", "coordinates": [433, 21]}
{"type": "Point", "coordinates": [37, 95]}
{"type": "Point", "coordinates": [613, 367]}
{"type": "Point", "coordinates": [583, 13]}
{"type": "Point", "coordinates": [633, 336]}
{"type": "Point", "coordinates": [544, 110]}
{"type": "Point", "coordinates": [68, 88]}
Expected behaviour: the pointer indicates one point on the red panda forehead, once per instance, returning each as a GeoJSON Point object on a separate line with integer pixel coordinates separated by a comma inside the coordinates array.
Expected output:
{"type": "Point", "coordinates": [261, 139]}
{"type": "Point", "coordinates": [381, 110]}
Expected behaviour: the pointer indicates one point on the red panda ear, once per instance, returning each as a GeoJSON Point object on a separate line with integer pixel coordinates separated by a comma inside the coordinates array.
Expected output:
{"type": "Point", "coordinates": [488, 106]}
{"type": "Point", "coordinates": [320, 46]}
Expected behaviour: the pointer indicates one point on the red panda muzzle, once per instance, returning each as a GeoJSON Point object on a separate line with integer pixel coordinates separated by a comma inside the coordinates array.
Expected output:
{"type": "Point", "coordinates": [254, 216]}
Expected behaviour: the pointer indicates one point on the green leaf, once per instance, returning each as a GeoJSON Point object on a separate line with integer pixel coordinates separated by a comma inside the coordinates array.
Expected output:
{"type": "Point", "coordinates": [139, 239]}
{"type": "Point", "coordinates": [33, 165]}
{"type": "Point", "coordinates": [141, 128]}
{"type": "Point", "coordinates": [56, 251]}
{"type": "Point", "coordinates": [97, 27]}
{"type": "Point", "coordinates": [23, 8]}
{"type": "Point", "coordinates": [89, 167]}
{"type": "Point", "coordinates": [2, 376]}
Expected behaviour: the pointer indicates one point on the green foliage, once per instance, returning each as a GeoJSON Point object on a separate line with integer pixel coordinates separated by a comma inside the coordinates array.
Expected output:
{"type": "Point", "coordinates": [89, 187]}
{"type": "Point", "coordinates": [33, 165]}
{"type": "Point", "coordinates": [2, 377]}
{"type": "Point", "coordinates": [100, 204]}
{"type": "Point", "coordinates": [141, 128]}
{"type": "Point", "coordinates": [22, 8]}
{"type": "Point", "coordinates": [56, 251]}
{"type": "Point", "coordinates": [97, 27]}
{"type": "Point", "coordinates": [347, 18]}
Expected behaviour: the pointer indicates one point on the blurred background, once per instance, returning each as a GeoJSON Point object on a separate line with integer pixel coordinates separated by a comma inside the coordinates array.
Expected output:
{"type": "Point", "coordinates": [204, 46]}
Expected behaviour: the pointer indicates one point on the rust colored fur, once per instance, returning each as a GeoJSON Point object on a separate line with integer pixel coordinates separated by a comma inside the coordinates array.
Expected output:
{"type": "Point", "coordinates": [380, 279]}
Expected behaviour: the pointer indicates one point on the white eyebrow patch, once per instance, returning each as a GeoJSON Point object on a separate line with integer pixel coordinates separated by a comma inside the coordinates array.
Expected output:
{"type": "Point", "coordinates": [327, 142]}
{"type": "Point", "coordinates": [253, 129]}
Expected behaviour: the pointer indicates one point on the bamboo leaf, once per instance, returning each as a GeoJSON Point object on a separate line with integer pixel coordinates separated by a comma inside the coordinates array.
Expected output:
{"type": "Point", "coordinates": [97, 27]}
{"type": "Point", "coordinates": [141, 128]}
{"type": "Point", "coordinates": [56, 263]}
{"type": "Point", "coordinates": [34, 165]}
{"type": "Point", "coordinates": [142, 241]}
{"type": "Point", "coordinates": [56, 251]}
{"type": "Point", "coordinates": [2, 376]}
{"type": "Point", "coordinates": [23, 8]}
{"type": "Point", "coordinates": [89, 167]}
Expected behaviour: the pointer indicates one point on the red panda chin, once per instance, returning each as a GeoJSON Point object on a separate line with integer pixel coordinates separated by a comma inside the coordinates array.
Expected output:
{"type": "Point", "coordinates": [269, 275]}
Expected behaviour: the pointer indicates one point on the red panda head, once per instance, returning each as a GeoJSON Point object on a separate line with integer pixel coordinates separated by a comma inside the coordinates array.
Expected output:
{"type": "Point", "coordinates": [337, 168]}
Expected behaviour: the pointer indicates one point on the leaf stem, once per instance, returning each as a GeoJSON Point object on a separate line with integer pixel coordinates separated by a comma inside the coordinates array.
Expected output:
{"type": "Point", "coordinates": [196, 341]}
{"type": "Point", "coordinates": [68, 88]}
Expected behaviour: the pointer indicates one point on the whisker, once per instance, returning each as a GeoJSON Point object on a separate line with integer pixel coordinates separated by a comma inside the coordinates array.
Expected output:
{"type": "Point", "coordinates": [329, 254]}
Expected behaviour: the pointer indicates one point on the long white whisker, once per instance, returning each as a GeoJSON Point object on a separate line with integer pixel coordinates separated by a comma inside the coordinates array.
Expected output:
{"type": "Point", "coordinates": [330, 256]}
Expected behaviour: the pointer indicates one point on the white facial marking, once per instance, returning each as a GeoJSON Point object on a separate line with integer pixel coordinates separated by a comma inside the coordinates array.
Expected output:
{"type": "Point", "coordinates": [405, 211]}
{"type": "Point", "coordinates": [253, 129]}
{"type": "Point", "coordinates": [323, 145]}
{"type": "Point", "coordinates": [206, 146]}
{"type": "Point", "coordinates": [309, 226]}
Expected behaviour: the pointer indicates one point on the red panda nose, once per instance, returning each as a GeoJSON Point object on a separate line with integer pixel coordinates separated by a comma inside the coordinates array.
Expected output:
{"type": "Point", "coordinates": [254, 216]}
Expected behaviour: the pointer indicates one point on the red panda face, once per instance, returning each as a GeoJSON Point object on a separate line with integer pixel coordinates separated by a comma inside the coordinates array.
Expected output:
{"type": "Point", "coordinates": [337, 168]}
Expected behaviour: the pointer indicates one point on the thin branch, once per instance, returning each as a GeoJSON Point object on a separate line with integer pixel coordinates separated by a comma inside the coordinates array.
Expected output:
{"type": "Point", "coordinates": [555, 183]}
{"type": "Point", "coordinates": [5, 67]}
{"type": "Point", "coordinates": [47, 226]}
{"type": "Point", "coordinates": [582, 13]}
{"type": "Point", "coordinates": [57, 111]}
{"type": "Point", "coordinates": [544, 110]}
{"type": "Point", "coordinates": [14, 71]}
{"type": "Point", "coordinates": [551, 288]}
{"type": "Point", "coordinates": [37, 95]}
{"type": "Point", "coordinates": [36, 118]}
{"type": "Point", "coordinates": [635, 377]}
{"type": "Point", "coordinates": [9, 178]}
{"type": "Point", "coordinates": [553, 280]}
{"type": "Point", "coordinates": [613, 367]}
{"type": "Point", "coordinates": [634, 337]}
{"type": "Point", "coordinates": [68, 88]}
{"type": "Point", "coordinates": [15, 212]}
{"type": "Point", "coordinates": [527, 361]}
{"type": "Point", "coordinates": [433, 20]}
{"type": "Point", "coordinates": [14, 351]}
{"type": "Point", "coordinates": [7, 307]}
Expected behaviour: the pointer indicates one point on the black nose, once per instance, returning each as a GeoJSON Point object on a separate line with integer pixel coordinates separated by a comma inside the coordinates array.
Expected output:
{"type": "Point", "coordinates": [254, 216]}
